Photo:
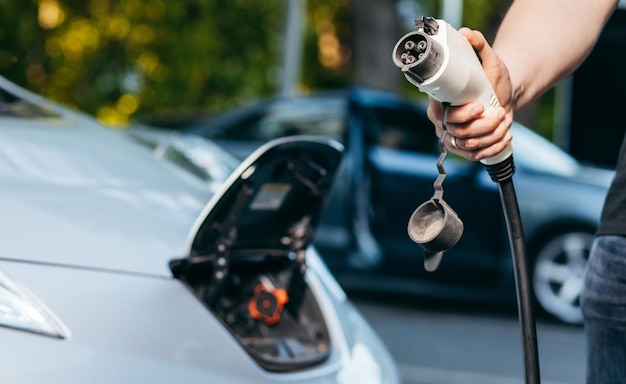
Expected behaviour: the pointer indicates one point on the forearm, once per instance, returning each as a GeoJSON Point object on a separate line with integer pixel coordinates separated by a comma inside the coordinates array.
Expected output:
{"type": "Point", "coordinates": [562, 35]}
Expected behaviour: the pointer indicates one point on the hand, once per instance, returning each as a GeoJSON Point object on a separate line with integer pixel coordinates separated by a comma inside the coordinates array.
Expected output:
{"type": "Point", "coordinates": [474, 133]}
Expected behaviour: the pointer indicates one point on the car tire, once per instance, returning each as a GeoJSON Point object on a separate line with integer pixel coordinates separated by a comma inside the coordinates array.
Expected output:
{"type": "Point", "coordinates": [557, 274]}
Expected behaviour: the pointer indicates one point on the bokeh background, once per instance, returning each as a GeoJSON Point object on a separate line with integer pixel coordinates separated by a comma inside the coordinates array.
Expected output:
{"type": "Point", "coordinates": [165, 62]}
{"type": "Point", "coordinates": [161, 61]}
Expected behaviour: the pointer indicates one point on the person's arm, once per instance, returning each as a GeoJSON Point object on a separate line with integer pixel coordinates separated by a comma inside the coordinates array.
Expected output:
{"type": "Point", "coordinates": [538, 43]}
{"type": "Point", "coordinates": [543, 41]}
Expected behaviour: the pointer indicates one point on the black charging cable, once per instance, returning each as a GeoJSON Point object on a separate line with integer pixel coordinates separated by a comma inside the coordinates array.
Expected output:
{"type": "Point", "coordinates": [502, 174]}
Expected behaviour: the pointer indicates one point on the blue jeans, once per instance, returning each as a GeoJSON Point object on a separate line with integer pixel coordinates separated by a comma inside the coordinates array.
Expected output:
{"type": "Point", "coordinates": [603, 301]}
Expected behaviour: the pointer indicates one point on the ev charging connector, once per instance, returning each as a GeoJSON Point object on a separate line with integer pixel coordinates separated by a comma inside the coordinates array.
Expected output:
{"type": "Point", "coordinates": [440, 61]}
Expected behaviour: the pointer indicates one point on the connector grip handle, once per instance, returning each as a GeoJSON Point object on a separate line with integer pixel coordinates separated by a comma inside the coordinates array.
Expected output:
{"type": "Point", "coordinates": [443, 64]}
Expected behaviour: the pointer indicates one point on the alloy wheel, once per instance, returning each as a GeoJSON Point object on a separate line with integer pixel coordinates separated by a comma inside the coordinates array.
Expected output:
{"type": "Point", "coordinates": [558, 275]}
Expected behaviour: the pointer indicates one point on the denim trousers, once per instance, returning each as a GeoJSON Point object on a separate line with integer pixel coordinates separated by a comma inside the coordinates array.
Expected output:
{"type": "Point", "coordinates": [603, 301]}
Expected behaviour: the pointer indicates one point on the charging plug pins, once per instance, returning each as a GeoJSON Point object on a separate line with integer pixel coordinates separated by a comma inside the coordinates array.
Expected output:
{"type": "Point", "coordinates": [413, 51]}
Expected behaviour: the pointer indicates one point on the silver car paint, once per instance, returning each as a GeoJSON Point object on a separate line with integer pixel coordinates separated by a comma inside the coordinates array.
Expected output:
{"type": "Point", "coordinates": [90, 221]}
{"type": "Point", "coordinates": [135, 329]}
{"type": "Point", "coordinates": [107, 206]}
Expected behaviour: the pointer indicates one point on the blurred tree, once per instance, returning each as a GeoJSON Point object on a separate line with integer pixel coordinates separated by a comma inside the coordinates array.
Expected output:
{"type": "Point", "coordinates": [21, 40]}
{"type": "Point", "coordinates": [327, 50]}
{"type": "Point", "coordinates": [122, 58]}
{"type": "Point", "coordinates": [375, 31]}
{"type": "Point", "coordinates": [156, 59]}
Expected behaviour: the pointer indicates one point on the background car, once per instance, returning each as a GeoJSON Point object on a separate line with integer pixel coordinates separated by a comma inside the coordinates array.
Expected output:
{"type": "Point", "coordinates": [389, 169]}
{"type": "Point", "coordinates": [119, 266]}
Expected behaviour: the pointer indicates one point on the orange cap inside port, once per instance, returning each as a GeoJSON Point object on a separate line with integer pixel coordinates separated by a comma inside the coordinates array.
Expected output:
{"type": "Point", "coordinates": [267, 305]}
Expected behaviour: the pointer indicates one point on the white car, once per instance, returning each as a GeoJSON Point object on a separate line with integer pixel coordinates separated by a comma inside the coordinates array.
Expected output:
{"type": "Point", "coordinates": [120, 267]}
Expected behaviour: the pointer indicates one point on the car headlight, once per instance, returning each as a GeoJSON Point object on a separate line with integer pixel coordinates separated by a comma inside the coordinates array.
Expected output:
{"type": "Point", "coordinates": [20, 309]}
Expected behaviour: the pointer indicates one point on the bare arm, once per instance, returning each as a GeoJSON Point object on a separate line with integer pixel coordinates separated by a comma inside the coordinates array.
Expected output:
{"type": "Point", "coordinates": [539, 43]}
{"type": "Point", "coordinates": [544, 41]}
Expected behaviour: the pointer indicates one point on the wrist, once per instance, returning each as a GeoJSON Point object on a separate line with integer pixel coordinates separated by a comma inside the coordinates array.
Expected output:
{"type": "Point", "coordinates": [517, 95]}
{"type": "Point", "coordinates": [516, 86]}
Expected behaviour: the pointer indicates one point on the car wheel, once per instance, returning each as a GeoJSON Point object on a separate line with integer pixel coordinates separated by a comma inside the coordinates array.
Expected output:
{"type": "Point", "coordinates": [558, 272]}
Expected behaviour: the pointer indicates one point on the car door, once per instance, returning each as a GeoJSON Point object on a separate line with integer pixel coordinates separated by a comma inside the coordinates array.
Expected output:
{"type": "Point", "coordinates": [401, 154]}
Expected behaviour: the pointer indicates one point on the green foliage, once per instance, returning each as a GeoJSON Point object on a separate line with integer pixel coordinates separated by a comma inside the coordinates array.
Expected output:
{"type": "Point", "coordinates": [127, 58]}
{"type": "Point", "coordinates": [326, 61]}
{"type": "Point", "coordinates": [152, 60]}
{"type": "Point", "coordinates": [484, 15]}
{"type": "Point", "coordinates": [21, 41]}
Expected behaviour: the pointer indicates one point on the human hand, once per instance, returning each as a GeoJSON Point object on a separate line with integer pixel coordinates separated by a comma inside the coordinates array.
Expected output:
{"type": "Point", "coordinates": [473, 132]}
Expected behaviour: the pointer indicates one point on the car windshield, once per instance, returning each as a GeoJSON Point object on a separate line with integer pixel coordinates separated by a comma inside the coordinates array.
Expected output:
{"type": "Point", "coordinates": [537, 153]}
{"type": "Point", "coordinates": [13, 106]}
{"type": "Point", "coordinates": [314, 116]}
{"type": "Point", "coordinates": [317, 116]}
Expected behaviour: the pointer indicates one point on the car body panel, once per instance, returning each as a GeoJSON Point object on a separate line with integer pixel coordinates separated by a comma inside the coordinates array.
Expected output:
{"type": "Point", "coordinates": [104, 346]}
{"type": "Point", "coordinates": [125, 206]}
{"type": "Point", "coordinates": [92, 220]}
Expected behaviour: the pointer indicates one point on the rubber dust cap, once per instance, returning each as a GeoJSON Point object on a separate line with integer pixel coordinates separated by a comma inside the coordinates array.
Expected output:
{"type": "Point", "coordinates": [432, 260]}
{"type": "Point", "coordinates": [436, 228]}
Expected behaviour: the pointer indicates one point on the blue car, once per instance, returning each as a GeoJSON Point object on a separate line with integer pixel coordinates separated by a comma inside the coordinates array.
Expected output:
{"type": "Point", "coordinates": [389, 168]}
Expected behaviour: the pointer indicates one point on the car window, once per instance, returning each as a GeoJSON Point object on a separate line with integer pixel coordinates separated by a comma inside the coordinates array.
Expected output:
{"type": "Point", "coordinates": [318, 116]}
{"type": "Point", "coordinates": [238, 125]}
{"type": "Point", "coordinates": [406, 129]}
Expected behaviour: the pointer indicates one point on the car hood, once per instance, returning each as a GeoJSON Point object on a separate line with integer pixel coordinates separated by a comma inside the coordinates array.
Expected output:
{"type": "Point", "coordinates": [587, 176]}
{"type": "Point", "coordinates": [535, 154]}
{"type": "Point", "coordinates": [76, 193]}
{"type": "Point", "coordinates": [595, 175]}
